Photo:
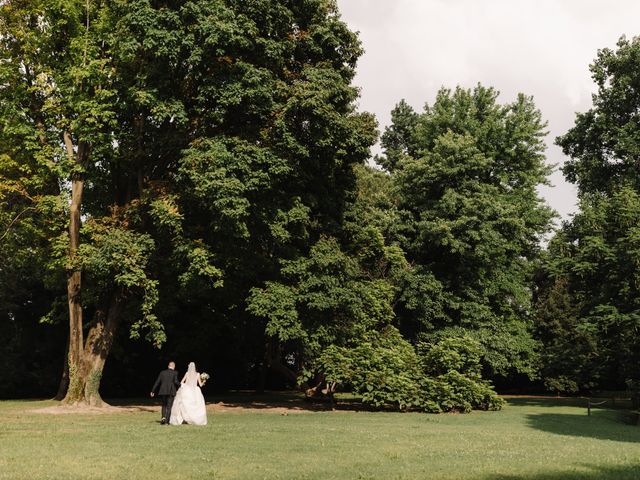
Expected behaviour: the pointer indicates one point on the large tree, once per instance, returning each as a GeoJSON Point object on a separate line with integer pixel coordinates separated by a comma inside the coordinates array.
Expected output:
{"type": "Point", "coordinates": [193, 140]}
{"type": "Point", "coordinates": [70, 100]}
{"type": "Point", "coordinates": [274, 166]}
{"type": "Point", "coordinates": [332, 313]}
{"type": "Point", "coordinates": [466, 172]}
{"type": "Point", "coordinates": [595, 258]}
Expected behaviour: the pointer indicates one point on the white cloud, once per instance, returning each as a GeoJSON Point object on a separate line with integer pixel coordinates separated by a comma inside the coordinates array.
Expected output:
{"type": "Point", "coordinates": [539, 47]}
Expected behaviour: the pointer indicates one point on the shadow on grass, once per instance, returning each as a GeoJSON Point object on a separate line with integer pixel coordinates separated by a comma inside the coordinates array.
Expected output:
{"type": "Point", "coordinates": [27, 400]}
{"type": "Point", "coordinates": [588, 472]}
{"type": "Point", "coordinates": [249, 400]}
{"type": "Point", "coordinates": [601, 425]}
{"type": "Point", "coordinates": [290, 400]}
{"type": "Point", "coordinates": [550, 401]}
{"type": "Point", "coordinates": [140, 404]}
{"type": "Point", "coordinates": [295, 400]}
{"type": "Point", "coordinates": [526, 401]}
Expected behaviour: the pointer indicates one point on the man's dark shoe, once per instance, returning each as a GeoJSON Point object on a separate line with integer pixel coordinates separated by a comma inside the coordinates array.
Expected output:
{"type": "Point", "coordinates": [163, 421]}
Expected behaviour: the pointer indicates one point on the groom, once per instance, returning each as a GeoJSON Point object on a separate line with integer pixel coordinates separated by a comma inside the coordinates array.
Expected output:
{"type": "Point", "coordinates": [166, 386]}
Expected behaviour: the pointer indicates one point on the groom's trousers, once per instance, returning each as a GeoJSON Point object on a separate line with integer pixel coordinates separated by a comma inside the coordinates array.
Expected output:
{"type": "Point", "coordinates": [167, 403]}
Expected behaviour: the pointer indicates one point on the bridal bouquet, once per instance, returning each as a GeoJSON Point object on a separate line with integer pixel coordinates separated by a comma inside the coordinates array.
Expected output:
{"type": "Point", "coordinates": [204, 376]}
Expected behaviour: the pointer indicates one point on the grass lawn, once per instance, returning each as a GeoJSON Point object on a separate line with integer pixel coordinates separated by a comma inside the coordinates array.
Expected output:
{"type": "Point", "coordinates": [531, 438]}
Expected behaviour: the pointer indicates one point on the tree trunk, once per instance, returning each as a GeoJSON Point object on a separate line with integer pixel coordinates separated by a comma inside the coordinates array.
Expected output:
{"type": "Point", "coordinates": [74, 276]}
{"type": "Point", "coordinates": [85, 359]}
{"type": "Point", "coordinates": [84, 382]}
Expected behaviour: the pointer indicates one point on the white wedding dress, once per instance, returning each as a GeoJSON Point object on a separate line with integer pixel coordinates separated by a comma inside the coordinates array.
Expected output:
{"type": "Point", "coordinates": [188, 406]}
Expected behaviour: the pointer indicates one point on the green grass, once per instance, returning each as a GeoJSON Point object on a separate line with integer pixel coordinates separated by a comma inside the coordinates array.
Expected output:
{"type": "Point", "coordinates": [529, 439]}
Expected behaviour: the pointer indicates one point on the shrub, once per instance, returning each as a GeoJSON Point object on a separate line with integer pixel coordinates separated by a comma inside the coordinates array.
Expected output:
{"type": "Point", "coordinates": [385, 369]}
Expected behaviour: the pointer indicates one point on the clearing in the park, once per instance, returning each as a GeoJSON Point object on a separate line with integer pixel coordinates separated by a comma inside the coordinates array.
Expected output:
{"type": "Point", "coordinates": [279, 438]}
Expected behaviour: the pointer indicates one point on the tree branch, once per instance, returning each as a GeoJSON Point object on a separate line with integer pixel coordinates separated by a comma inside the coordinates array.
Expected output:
{"type": "Point", "coordinates": [14, 221]}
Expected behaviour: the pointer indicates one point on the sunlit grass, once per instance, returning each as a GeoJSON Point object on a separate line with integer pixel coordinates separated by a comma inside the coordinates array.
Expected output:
{"type": "Point", "coordinates": [536, 439]}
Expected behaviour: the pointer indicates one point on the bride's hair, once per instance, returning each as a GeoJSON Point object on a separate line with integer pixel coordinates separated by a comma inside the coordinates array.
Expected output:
{"type": "Point", "coordinates": [191, 377]}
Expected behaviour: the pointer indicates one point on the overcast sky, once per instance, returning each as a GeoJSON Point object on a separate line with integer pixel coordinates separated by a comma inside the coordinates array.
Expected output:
{"type": "Point", "coordinates": [539, 47]}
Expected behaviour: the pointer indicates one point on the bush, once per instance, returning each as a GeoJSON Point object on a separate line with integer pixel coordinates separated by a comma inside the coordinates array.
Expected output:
{"type": "Point", "coordinates": [385, 369]}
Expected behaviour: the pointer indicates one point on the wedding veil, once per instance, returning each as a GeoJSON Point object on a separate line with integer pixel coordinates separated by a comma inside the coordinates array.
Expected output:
{"type": "Point", "coordinates": [192, 375]}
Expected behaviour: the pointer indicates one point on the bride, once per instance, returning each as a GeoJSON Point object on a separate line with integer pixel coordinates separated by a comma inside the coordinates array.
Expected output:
{"type": "Point", "coordinates": [188, 406]}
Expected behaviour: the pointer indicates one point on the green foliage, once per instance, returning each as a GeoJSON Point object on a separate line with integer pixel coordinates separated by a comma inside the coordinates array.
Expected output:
{"type": "Point", "coordinates": [225, 192]}
{"type": "Point", "coordinates": [265, 178]}
{"type": "Point", "coordinates": [63, 85]}
{"type": "Point", "coordinates": [569, 355]}
{"type": "Point", "coordinates": [603, 144]}
{"type": "Point", "coordinates": [588, 312]}
{"type": "Point", "coordinates": [221, 143]}
{"type": "Point", "coordinates": [385, 369]}
{"type": "Point", "coordinates": [327, 300]}
{"type": "Point", "coordinates": [455, 353]}
{"type": "Point", "coordinates": [592, 326]}
{"type": "Point", "coordinates": [116, 258]}
{"type": "Point", "coordinates": [32, 211]}
{"type": "Point", "coordinates": [397, 139]}
{"type": "Point", "coordinates": [465, 172]}
{"type": "Point", "coordinates": [453, 367]}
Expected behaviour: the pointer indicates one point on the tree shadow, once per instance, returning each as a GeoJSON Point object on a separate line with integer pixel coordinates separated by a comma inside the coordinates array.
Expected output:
{"type": "Point", "coordinates": [145, 408]}
{"type": "Point", "coordinates": [588, 472]}
{"type": "Point", "coordinates": [616, 425]}
{"type": "Point", "coordinates": [289, 400]}
{"type": "Point", "coordinates": [250, 400]}
{"type": "Point", "coordinates": [137, 404]}
{"type": "Point", "coordinates": [551, 401]}
{"type": "Point", "coordinates": [541, 401]}
{"type": "Point", "coordinates": [8, 401]}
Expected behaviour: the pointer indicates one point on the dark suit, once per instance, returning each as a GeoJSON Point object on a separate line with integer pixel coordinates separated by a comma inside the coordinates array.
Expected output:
{"type": "Point", "coordinates": [166, 386]}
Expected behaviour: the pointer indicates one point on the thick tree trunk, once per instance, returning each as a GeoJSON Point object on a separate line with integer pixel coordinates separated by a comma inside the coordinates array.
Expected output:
{"type": "Point", "coordinates": [85, 359]}
{"type": "Point", "coordinates": [74, 276]}
{"type": "Point", "coordinates": [84, 382]}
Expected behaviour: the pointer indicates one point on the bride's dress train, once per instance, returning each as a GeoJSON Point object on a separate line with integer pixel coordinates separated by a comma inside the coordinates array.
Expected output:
{"type": "Point", "coordinates": [189, 405]}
